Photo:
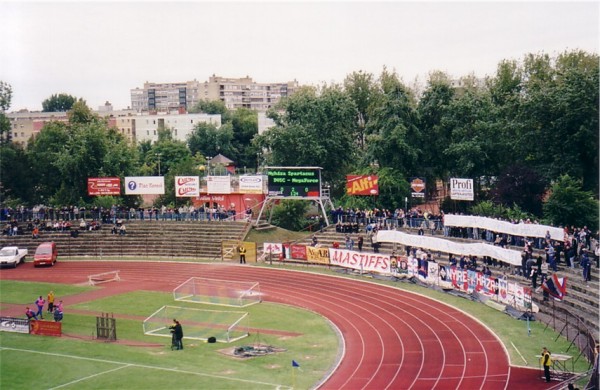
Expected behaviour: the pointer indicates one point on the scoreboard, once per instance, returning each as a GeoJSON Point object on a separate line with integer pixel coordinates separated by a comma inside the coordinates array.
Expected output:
{"type": "Point", "coordinates": [294, 182]}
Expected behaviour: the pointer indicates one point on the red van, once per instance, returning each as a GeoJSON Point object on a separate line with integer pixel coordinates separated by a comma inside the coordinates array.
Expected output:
{"type": "Point", "coordinates": [45, 254]}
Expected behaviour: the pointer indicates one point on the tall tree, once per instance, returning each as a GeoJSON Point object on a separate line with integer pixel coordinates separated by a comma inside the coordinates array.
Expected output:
{"type": "Point", "coordinates": [314, 128]}
{"type": "Point", "coordinates": [434, 115]}
{"type": "Point", "coordinates": [244, 124]}
{"type": "Point", "coordinates": [362, 89]}
{"type": "Point", "coordinates": [5, 101]}
{"type": "Point", "coordinates": [393, 132]}
{"type": "Point", "coordinates": [58, 102]}
{"type": "Point", "coordinates": [569, 205]}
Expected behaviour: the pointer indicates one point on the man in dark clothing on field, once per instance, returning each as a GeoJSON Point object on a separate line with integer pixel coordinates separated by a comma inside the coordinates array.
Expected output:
{"type": "Point", "coordinates": [177, 335]}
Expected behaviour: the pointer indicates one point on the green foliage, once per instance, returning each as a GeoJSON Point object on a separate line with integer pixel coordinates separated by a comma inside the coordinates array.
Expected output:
{"type": "Point", "coordinates": [522, 186]}
{"type": "Point", "coordinates": [569, 205]}
{"type": "Point", "coordinates": [290, 214]}
{"type": "Point", "coordinates": [58, 102]}
{"type": "Point", "coordinates": [210, 141]}
{"type": "Point", "coordinates": [13, 162]}
{"type": "Point", "coordinates": [487, 208]}
{"type": "Point", "coordinates": [392, 131]}
{"type": "Point", "coordinates": [5, 100]}
{"type": "Point", "coordinates": [314, 129]}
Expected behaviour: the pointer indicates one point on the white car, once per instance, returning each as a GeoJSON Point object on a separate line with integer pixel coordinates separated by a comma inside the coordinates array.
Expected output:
{"type": "Point", "coordinates": [12, 256]}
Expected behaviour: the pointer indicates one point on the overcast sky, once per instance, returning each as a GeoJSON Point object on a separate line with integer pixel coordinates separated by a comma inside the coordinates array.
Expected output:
{"type": "Point", "coordinates": [99, 51]}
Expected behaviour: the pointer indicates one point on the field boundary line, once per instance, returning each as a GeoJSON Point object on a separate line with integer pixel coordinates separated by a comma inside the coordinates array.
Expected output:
{"type": "Point", "coordinates": [125, 364]}
{"type": "Point", "coordinates": [90, 376]}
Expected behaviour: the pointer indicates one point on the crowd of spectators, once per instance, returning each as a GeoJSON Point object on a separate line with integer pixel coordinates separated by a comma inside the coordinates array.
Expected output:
{"type": "Point", "coordinates": [47, 215]}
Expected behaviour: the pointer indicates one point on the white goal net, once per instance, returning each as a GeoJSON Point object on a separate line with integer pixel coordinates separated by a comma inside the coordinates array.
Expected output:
{"type": "Point", "coordinates": [218, 292]}
{"type": "Point", "coordinates": [199, 324]}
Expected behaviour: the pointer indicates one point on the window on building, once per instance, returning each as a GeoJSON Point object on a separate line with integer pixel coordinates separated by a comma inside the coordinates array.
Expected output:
{"type": "Point", "coordinates": [147, 132]}
{"type": "Point", "coordinates": [154, 132]}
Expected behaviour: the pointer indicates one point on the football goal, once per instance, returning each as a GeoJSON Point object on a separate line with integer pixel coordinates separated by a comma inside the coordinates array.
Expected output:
{"type": "Point", "coordinates": [218, 292]}
{"type": "Point", "coordinates": [199, 324]}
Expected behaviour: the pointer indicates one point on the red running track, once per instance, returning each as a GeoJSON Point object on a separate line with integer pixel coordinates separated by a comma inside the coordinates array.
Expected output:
{"type": "Point", "coordinates": [392, 339]}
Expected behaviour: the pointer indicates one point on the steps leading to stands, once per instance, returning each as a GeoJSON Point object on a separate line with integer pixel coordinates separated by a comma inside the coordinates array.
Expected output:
{"type": "Point", "coordinates": [197, 239]}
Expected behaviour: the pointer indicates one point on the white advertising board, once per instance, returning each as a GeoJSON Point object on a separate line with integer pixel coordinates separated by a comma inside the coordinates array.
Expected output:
{"type": "Point", "coordinates": [461, 189]}
{"type": "Point", "coordinates": [143, 185]}
{"type": "Point", "coordinates": [187, 186]}
{"type": "Point", "coordinates": [218, 184]}
{"type": "Point", "coordinates": [251, 184]}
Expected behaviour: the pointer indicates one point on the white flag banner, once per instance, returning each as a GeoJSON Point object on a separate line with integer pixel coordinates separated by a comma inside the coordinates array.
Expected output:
{"type": "Point", "coordinates": [458, 248]}
{"type": "Point", "coordinates": [494, 225]}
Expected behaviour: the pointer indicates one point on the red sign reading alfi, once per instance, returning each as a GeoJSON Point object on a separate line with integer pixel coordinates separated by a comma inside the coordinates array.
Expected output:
{"type": "Point", "coordinates": [362, 185]}
{"type": "Point", "coordinates": [104, 186]}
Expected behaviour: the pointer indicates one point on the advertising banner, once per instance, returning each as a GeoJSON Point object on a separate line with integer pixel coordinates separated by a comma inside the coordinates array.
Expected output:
{"type": "Point", "coordinates": [145, 185]}
{"type": "Point", "coordinates": [187, 186]}
{"type": "Point", "coordinates": [275, 249]}
{"type": "Point", "coordinates": [362, 185]}
{"type": "Point", "coordinates": [12, 324]}
{"type": "Point", "coordinates": [375, 262]}
{"type": "Point", "coordinates": [45, 328]}
{"type": "Point", "coordinates": [417, 186]}
{"type": "Point", "coordinates": [298, 252]}
{"type": "Point", "coordinates": [99, 186]}
{"type": "Point", "coordinates": [461, 189]}
{"type": "Point", "coordinates": [251, 184]}
{"type": "Point", "coordinates": [218, 184]}
{"type": "Point", "coordinates": [317, 255]}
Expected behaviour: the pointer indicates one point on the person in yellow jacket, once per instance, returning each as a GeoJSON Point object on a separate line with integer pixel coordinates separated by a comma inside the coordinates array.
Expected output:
{"type": "Point", "coordinates": [242, 252]}
{"type": "Point", "coordinates": [50, 301]}
{"type": "Point", "coordinates": [546, 362]}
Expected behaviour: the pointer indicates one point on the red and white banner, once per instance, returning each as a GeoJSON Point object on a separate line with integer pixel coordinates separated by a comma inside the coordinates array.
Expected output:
{"type": "Point", "coordinates": [187, 186]}
{"type": "Point", "coordinates": [362, 185]}
{"type": "Point", "coordinates": [104, 186]}
{"type": "Point", "coordinates": [275, 249]}
{"type": "Point", "coordinates": [145, 185]}
{"type": "Point", "coordinates": [375, 262]}
{"type": "Point", "coordinates": [45, 328]}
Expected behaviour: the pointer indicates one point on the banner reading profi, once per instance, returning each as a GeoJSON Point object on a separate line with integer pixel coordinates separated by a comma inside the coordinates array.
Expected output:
{"type": "Point", "coordinates": [362, 185]}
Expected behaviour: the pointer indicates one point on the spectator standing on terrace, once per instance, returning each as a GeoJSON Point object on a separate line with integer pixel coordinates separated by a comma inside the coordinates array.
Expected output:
{"type": "Point", "coordinates": [40, 302]}
{"type": "Point", "coordinates": [534, 277]}
{"type": "Point", "coordinates": [586, 266]}
{"type": "Point", "coordinates": [360, 242]}
{"type": "Point", "coordinates": [551, 256]}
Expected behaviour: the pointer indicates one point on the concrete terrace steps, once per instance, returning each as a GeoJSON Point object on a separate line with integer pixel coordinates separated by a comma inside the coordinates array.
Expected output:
{"type": "Point", "coordinates": [196, 239]}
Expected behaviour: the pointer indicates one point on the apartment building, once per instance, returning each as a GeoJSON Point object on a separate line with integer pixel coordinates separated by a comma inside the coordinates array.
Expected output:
{"type": "Point", "coordinates": [234, 92]}
{"type": "Point", "coordinates": [145, 127]}
{"type": "Point", "coordinates": [25, 124]}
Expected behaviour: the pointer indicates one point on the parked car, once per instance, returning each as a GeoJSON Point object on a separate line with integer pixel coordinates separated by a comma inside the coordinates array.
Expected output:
{"type": "Point", "coordinates": [12, 256]}
{"type": "Point", "coordinates": [45, 254]}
